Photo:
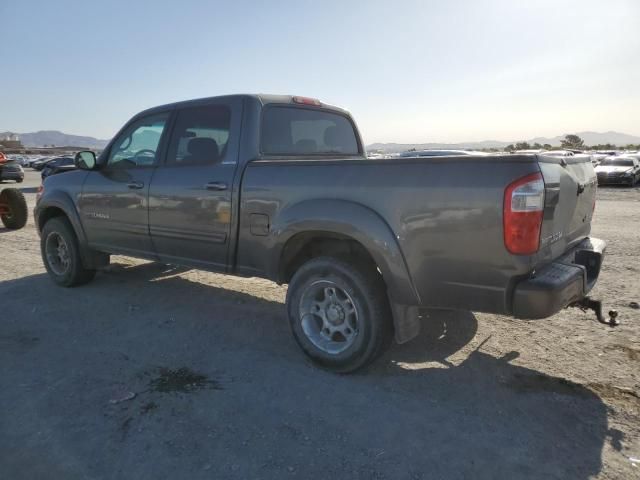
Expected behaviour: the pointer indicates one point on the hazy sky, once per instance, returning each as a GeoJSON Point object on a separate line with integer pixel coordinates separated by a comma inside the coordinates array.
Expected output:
{"type": "Point", "coordinates": [409, 71]}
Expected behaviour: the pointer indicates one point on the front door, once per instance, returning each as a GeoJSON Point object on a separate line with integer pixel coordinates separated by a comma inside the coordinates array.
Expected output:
{"type": "Point", "coordinates": [114, 203]}
{"type": "Point", "coordinates": [190, 194]}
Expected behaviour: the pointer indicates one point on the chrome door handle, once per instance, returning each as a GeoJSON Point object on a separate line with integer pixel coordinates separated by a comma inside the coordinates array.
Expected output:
{"type": "Point", "coordinates": [135, 185]}
{"type": "Point", "coordinates": [216, 186]}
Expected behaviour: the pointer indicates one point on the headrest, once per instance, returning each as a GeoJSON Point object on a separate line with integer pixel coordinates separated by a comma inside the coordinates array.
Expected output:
{"type": "Point", "coordinates": [204, 147]}
{"type": "Point", "coordinates": [333, 137]}
{"type": "Point", "coordinates": [306, 146]}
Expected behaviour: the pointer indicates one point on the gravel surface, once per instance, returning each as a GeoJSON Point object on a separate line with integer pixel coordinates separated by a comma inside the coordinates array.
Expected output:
{"type": "Point", "coordinates": [153, 371]}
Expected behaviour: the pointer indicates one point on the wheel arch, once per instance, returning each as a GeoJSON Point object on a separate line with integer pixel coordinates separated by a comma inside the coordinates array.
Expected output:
{"type": "Point", "coordinates": [338, 221]}
{"type": "Point", "coordinates": [59, 204]}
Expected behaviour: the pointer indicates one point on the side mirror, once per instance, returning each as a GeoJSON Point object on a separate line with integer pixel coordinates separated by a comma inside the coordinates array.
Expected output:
{"type": "Point", "coordinates": [85, 160]}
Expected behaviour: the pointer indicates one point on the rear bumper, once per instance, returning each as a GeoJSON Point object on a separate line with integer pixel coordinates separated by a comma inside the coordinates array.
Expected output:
{"type": "Point", "coordinates": [555, 286]}
{"type": "Point", "coordinates": [12, 175]}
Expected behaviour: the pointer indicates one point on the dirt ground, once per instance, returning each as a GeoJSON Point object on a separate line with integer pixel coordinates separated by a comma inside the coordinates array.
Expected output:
{"type": "Point", "coordinates": [159, 372]}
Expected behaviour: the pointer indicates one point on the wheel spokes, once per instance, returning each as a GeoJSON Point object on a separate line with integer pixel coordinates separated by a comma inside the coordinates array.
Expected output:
{"type": "Point", "coordinates": [57, 253]}
{"type": "Point", "coordinates": [329, 317]}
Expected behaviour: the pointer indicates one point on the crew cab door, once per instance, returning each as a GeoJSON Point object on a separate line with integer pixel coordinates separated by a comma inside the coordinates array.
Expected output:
{"type": "Point", "coordinates": [114, 201]}
{"type": "Point", "coordinates": [190, 197]}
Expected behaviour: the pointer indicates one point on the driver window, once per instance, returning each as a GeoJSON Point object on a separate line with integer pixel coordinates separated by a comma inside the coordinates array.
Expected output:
{"type": "Point", "coordinates": [137, 146]}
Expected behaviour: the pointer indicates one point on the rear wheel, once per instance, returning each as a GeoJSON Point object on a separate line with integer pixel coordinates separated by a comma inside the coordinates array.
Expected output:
{"type": "Point", "coordinates": [339, 313]}
{"type": "Point", "coordinates": [16, 205]}
{"type": "Point", "coordinates": [61, 254]}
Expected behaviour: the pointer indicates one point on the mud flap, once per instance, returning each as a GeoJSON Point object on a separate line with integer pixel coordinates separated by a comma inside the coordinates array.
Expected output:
{"type": "Point", "coordinates": [406, 322]}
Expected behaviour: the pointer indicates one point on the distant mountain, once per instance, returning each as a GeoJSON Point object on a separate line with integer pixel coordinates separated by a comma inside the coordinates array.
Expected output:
{"type": "Point", "coordinates": [56, 138]}
{"type": "Point", "coordinates": [593, 138]}
{"type": "Point", "coordinates": [590, 138]}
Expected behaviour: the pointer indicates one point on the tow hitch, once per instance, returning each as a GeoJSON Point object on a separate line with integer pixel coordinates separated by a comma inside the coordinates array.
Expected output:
{"type": "Point", "coordinates": [588, 303]}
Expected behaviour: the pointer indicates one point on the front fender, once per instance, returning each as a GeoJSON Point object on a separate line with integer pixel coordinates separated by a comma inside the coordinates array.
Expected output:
{"type": "Point", "coordinates": [60, 200]}
{"type": "Point", "coordinates": [352, 220]}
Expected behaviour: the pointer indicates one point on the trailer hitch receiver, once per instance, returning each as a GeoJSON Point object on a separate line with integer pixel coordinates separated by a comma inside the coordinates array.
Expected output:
{"type": "Point", "coordinates": [588, 303]}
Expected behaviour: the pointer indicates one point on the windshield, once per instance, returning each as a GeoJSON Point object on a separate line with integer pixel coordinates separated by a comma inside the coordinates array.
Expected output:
{"type": "Point", "coordinates": [617, 162]}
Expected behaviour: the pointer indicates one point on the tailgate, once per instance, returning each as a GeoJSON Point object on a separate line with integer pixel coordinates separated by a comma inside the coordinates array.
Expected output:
{"type": "Point", "coordinates": [570, 193]}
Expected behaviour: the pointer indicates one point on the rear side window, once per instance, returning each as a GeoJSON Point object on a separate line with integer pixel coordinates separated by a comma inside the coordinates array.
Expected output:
{"type": "Point", "coordinates": [200, 136]}
{"type": "Point", "coordinates": [301, 131]}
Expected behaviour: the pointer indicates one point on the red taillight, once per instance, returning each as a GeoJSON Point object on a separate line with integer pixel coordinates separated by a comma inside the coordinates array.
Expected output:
{"type": "Point", "coordinates": [307, 101]}
{"type": "Point", "coordinates": [39, 191]}
{"type": "Point", "coordinates": [523, 210]}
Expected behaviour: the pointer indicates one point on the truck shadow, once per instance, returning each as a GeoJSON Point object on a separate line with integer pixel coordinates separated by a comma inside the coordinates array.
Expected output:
{"type": "Point", "coordinates": [506, 421]}
{"type": "Point", "coordinates": [413, 414]}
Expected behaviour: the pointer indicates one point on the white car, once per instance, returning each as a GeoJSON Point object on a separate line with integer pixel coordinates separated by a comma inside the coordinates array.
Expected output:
{"type": "Point", "coordinates": [622, 170]}
{"type": "Point", "coordinates": [559, 153]}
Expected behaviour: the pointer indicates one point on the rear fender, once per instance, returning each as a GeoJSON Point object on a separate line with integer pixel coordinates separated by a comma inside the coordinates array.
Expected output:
{"type": "Point", "coordinates": [371, 231]}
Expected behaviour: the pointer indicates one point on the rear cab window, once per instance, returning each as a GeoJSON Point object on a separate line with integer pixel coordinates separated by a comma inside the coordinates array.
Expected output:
{"type": "Point", "coordinates": [288, 130]}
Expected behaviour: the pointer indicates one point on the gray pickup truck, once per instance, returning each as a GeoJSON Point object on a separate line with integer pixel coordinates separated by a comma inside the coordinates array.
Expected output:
{"type": "Point", "coordinates": [279, 187]}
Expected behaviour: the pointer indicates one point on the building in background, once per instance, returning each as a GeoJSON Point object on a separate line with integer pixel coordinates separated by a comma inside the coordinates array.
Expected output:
{"type": "Point", "coordinates": [10, 141]}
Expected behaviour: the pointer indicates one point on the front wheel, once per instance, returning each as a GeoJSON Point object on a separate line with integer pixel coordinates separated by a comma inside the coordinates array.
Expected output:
{"type": "Point", "coordinates": [61, 254]}
{"type": "Point", "coordinates": [339, 313]}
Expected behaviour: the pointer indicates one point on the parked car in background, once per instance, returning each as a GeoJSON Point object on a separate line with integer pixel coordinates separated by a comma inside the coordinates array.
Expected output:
{"type": "Point", "coordinates": [32, 163]}
{"type": "Point", "coordinates": [39, 164]}
{"type": "Point", "coordinates": [537, 151]}
{"type": "Point", "coordinates": [33, 160]}
{"type": "Point", "coordinates": [438, 153]}
{"type": "Point", "coordinates": [559, 153]}
{"type": "Point", "coordinates": [58, 165]}
{"type": "Point", "coordinates": [621, 170]}
{"type": "Point", "coordinates": [11, 170]}
{"type": "Point", "coordinates": [24, 160]}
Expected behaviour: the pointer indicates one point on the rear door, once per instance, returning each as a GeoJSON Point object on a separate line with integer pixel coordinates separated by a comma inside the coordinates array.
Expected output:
{"type": "Point", "coordinates": [114, 204]}
{"type": "Point", "coordinates": [190, 196]}
{"type": "Point", "coordinates": [570, 195]}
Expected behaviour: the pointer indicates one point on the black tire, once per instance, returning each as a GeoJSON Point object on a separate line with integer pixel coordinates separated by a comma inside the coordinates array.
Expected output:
{"type": "Point", "coordinates": [69, 273]}
{"type": "Point", "coordinates": [19, 180]}
{"type": "Point", "coordinates": [18, 210]}
{"type": "Point", "coordinates": [364, 291]}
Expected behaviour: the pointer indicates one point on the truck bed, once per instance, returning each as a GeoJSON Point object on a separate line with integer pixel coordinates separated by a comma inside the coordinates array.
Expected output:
{"type": "Point", "coordinates": [445, 212]}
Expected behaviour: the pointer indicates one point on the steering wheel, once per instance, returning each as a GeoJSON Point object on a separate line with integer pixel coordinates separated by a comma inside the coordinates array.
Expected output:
{"type": "Point", "coordinates": [144, 153]}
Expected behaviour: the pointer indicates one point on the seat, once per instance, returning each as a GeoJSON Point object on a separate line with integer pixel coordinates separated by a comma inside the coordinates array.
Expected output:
{"type": "Point", "coordinates": [202, 150]}
{"type": "Point", "coordinates": [306, 146]}
{"type": "Point", "coordinates": [336, 138]}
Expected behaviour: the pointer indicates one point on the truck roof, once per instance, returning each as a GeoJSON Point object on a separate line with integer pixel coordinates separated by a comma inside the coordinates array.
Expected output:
{"type": "Point", "coordinates": [262, 99]}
